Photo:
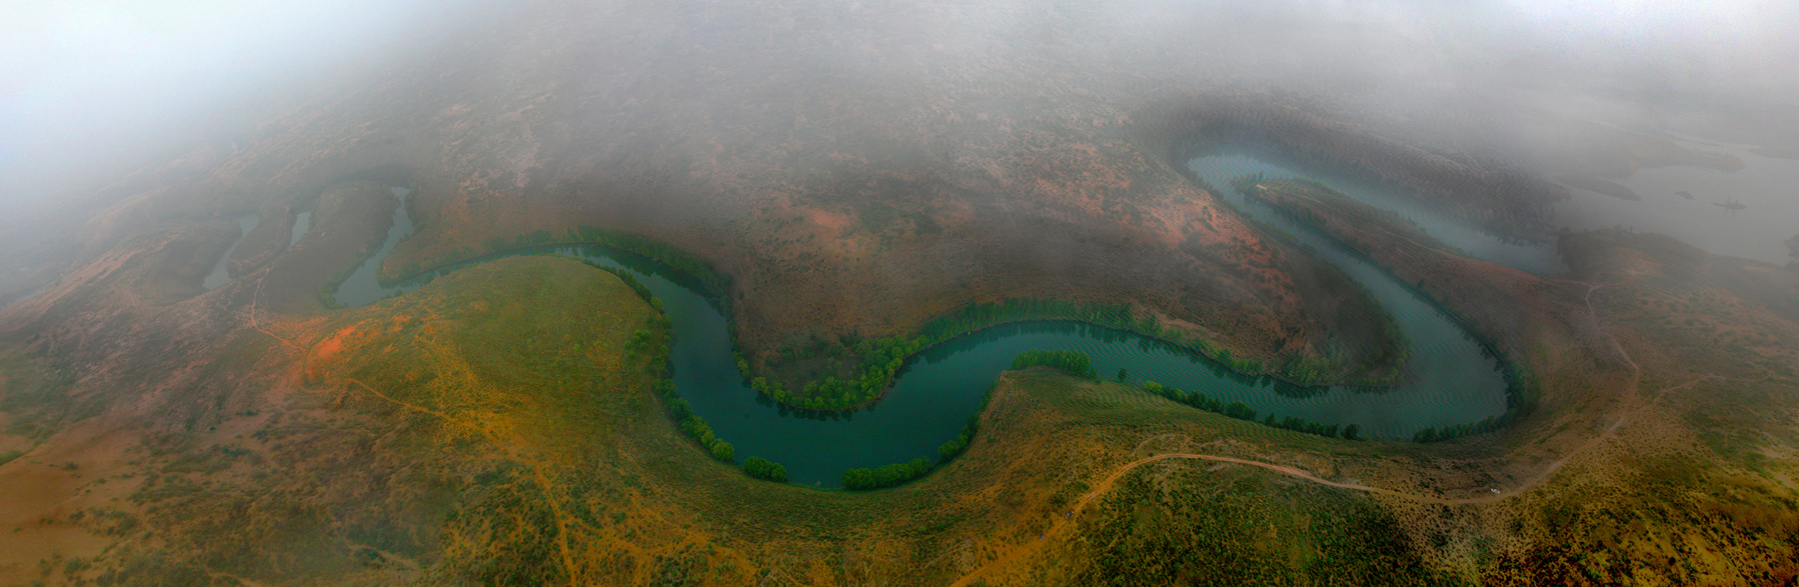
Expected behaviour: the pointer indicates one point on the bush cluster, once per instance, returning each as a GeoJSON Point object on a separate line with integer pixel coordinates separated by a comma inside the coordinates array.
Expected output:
{"type": "Point", "coordinates": [1072, 361]}
{"type": "Point", "coordinates": [1242, 412]}
{"type": "Point", "coordinates": [693, 425]}
{"type": "Point", "coordinates": [713, 284]}
{"type": "Point", "coordinates": [885, 476]}
{"type": "Point", "coordinates": [1299, 424]}
{"type": "Point", "coordinates": [1116, 316]}
{"type": "Point", "coordinates": [955, 446]}
{"type": "Point", "coordinates": [895, 474]}
{"type": "Point", "coordinates": [1489, 424]}
{"type": "Point", "coordinates": [762, 468]}
{"type": "Point", "coordinates": [881, 358]}
{"type": "Point", "coordinates": [1200, 400]}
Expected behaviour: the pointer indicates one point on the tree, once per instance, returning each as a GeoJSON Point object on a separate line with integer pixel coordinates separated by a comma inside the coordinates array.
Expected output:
{"type": "Point", "coordinates": [885, 476]}
{"type": "Point", "coordinates": [1350, 432]}
{"type": "Point", "coordinates": [1123, 374]}
{"type": "Point", "coordinates": [762, 468]}
{"type": "Point", "coordinates": [1072, 361]}
{"type": "Point", "coordinates": [859, 479]}
{"type": "Point", "coordinates": [722, 450]}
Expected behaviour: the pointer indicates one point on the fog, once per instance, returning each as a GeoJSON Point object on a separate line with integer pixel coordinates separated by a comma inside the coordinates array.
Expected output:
{"type": "Point", "coordinates": [88, 88]}
{"type": "Point", "coordinates": [93, 89]}
{"type": "Point", "coordinates": [214, 213]}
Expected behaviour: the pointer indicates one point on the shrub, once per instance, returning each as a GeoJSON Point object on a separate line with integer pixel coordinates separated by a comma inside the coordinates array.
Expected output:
{"type": "Point", "coordinates": [722, 450]}
{"type": "Point", "coordinates": [762, 468]}
{"type": "Point", "coordinates": [885, 476]}
{"type": "Point", "coordinates": [1072, 361]}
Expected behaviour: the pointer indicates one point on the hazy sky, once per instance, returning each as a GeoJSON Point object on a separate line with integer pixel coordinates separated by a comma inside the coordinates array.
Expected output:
{"type": "Point", "coordinates": [85, 81]}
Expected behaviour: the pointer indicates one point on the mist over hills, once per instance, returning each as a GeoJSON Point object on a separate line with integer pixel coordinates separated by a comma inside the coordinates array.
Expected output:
{"type": "Point", "coordinates": [644, 82]}
{"type": "Point", "coordinates": [839, 186]}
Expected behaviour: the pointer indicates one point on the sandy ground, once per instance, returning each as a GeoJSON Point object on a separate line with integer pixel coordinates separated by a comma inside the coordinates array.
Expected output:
{"type": "Point", "coordinates": [74, 471]}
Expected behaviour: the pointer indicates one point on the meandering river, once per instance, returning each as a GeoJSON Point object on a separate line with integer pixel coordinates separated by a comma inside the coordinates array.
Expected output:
{"type": "Point", "coordinates": [1450, 380]}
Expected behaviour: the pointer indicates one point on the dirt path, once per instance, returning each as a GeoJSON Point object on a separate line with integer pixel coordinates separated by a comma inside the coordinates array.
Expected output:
{"type": "Point", "coordinates": [254, 323]}
{"type": "Point", "coordinates": [1057, 524]}
{"type": "Point", "coordinates": [1588, 298]}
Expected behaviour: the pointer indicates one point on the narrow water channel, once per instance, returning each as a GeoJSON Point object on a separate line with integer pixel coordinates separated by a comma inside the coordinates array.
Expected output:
{"type": "Point", "coordinates": [302, 223]}
{"type": "Point", "coordinates": [361, 289]}
{"type": "Point", "coordinates": [221, 274]}
{"type": "Point", "coordinates": [1449, 380]}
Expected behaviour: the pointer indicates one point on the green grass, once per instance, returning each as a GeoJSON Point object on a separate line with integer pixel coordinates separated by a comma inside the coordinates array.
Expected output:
{"type": "Point", "coordinates": [1188, 525]}
{"type": "Point", "coordinates": [451, 421]}
{"type": "Point", "coordinates": [35, 401]}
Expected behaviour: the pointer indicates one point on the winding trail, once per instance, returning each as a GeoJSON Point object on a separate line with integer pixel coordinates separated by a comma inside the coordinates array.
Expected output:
{"type": "Point", "coordinates": [254, 323]}
{"type": "Point", "coordinates": [1059, 523]}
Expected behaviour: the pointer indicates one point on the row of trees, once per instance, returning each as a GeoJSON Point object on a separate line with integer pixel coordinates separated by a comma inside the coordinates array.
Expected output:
{"type": "Point", "coordinates": [880, 359]}
{"type": "Point", "coordinates": [677, 259]}
{"type": "Point", "coordinates": [1299, 424]}
{"type": "Point", "coordinates": [885, 476]}
{"type": "Point", "coordinates": [1395, 348]}
{"type": "Point", "coordinates": [1116, 316]}
{"type": "Point", "coordinates": [982, 315]}
{"type": "Point", "coordinates": [1072, 361]}
{"type": "Point", "coordinates": [1522, 389]}
{"type": "Point", "coordinates": [1243, 412]}
{"type": "Point", "coordinates": [762, 468]}
{"type": "Point", "coordinates": [682, 411]}
{"type": "Point", "coordinates": [898, 473]}
{"type": "Point", "coordinates": [643, 291]}
{"type": "Point", "coordinates": [1349, 432]}
{"type": "Point", "coordinates": [955, 446]}
{"type": "Point", "coordinates": [697, 428]}
{"type": "Point", "coordinates": [1488, 424]}
{"type": "Point", "coordinates": [694, 425]}
{"type": "Point", "coordinates": [1522, 386]}
{"type": "Point", "coordinates": [714, 284]}
{"type": "Point", "coordinates": [1200, 400]}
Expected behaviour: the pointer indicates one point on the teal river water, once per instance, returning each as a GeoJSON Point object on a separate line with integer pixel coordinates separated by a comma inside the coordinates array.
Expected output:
{"type": "Point", "coordinates": [1449, 379]}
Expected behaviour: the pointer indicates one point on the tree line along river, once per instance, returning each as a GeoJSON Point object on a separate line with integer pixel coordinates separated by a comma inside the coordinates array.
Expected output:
{"type": "Point", "coordinates": [1449, 378]}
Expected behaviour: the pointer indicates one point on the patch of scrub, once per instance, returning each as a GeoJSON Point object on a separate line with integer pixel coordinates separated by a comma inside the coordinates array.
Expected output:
{"type": "Point", "coordinates": [219, 275]}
